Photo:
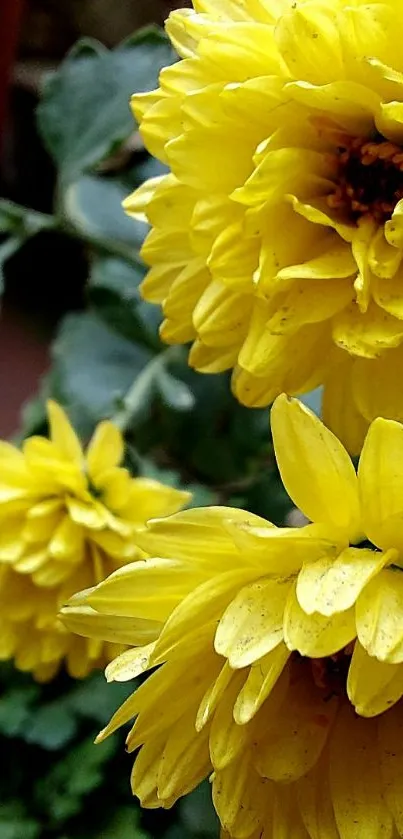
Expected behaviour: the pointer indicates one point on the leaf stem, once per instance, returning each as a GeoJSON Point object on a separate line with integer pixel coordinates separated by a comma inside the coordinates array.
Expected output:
{"type": "Point", "coordinates": [132, 405]}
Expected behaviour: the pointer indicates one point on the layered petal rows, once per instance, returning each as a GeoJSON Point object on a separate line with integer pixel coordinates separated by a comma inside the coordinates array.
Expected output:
{"type": "Point", "coordinates": [67, 520]}
{"type": "Point", "coordinates": [273, 650]}
{"type": "Point", "coordinates": [277, 235]}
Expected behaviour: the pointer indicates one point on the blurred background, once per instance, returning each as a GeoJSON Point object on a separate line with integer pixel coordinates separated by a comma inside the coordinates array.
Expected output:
{"type": "Point", "coordinates": [36, 35]}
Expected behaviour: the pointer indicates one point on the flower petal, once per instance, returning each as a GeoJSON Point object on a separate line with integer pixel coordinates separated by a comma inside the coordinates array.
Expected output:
{"type": "Point", "coordinates": [83, 620]}
{"type": "Point", "coordinates": [315, 803]}
{"type": "Point", "coordinates": [263, 681]}
{"type": "Point", "coordinates": [380, 477]}
{"type": "Point", "coordinates": [355, 779]}
{"type": "Point", "coordinates": [332, 585]}
{"type": "Point", "coordinates": [105, 449]}
{"type": "Point", "coordinates": [227, 739]}
{"type": "Point", "coordinates": [130, 664]}
{"type": "Point", "coordinates": [373, 686]}
{"type": "Point", "coordinates": [379, 615]}
{"type": "Point", "coordinates": [252, 625]}
{"type": "Point", "coordinates": [390, 728]}
{"type": "Point", "coordinates": [297, 733]}
{"type": "Point", "coordinates": [316, 636]}
{"type": "Point", "coordinates": [63, 435]}
{"type": "Point", "coordinates": [315, 468]}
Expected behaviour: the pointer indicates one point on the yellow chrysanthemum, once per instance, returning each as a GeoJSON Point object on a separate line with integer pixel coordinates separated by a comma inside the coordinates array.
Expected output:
{"type": "Point", "coordinates": [277, 236]}
{"type": "Point", "coordinates": [279, 652]}
{"type": "Point", "coordinates": [67, 520]}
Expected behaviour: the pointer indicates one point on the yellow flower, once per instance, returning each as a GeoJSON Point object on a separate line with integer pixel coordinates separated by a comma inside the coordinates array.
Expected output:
{"type": "Point", "coordinates": [279, 652]}
{"type": "Point", "coordinates": [67, 520]}
{"type": "Point", "coordinates": [277, 236]}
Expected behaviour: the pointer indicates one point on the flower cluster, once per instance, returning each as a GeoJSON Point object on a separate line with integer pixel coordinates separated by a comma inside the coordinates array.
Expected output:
{"type": "Point", "coordinates": [277, 236]}
{"type": "Point", "coordinates": [67, 520]}
{"type": "Point", "coordinates": [275, 648]}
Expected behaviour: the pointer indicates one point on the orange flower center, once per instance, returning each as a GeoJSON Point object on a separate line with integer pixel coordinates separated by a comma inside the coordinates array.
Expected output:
{"type": "Point", "coordinates": [370, 179]}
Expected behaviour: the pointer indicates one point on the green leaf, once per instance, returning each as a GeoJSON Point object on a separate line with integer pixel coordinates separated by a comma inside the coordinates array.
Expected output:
{"type": "Point", "coordinates": [8, 249]}
{"type": "Point", "coordinates": [154, 382]}
{"type": "Point", "coordinates": [94, 367]}
{"type": "Point", "coordinates": [175, 393]}
{"type": "Point", "coordinates": [93, 207]}
{"type": "Point", "coordinates": [114, 293]}
{"type": "Point", "coordinates": [84, 112]}
{"type": "Point", "coordinates": [22, 221]}
{"type": "Point", "coordinates": [16, 710]}
{"type": "Point", "coordinates": [70, 780]}
{"type": "Point", "coordinates": [109, 697]}
{"type": "Point", "coordinates": [15, 823]}
{"type": "Point", "coordinates": [51, 727]}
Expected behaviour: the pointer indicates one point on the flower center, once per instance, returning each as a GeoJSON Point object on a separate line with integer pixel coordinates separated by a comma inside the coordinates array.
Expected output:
{"type": "Point", "coordinates": [370, 178]}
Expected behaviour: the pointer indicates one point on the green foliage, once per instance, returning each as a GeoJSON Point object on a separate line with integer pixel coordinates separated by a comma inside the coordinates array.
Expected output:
{"type": "Point", "coordinates": [181, 427]}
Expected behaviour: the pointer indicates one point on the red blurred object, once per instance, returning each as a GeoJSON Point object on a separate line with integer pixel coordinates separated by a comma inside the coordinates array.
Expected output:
{"type": "Point", "coordinates": [10, 18]}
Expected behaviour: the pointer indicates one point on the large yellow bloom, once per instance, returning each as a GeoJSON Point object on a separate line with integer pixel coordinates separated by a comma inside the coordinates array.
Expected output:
{"type": "Point", "coordinates": [66, 522]}
{"type": "Point", "coordinates": [280, 651]}
{"type": "Point", "coordinates": [277, 236]}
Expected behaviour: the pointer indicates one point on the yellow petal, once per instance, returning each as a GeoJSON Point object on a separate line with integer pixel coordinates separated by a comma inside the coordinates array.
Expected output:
{"type": "Point", "coordinates": [287, 819]}
{"type": "Point", "coordinates": [213, 696]}
{"type": "Point", "coordinates": [315, 468]}
{"type": "Point", "coordinates": [351, 105]}
{"type": "Point", "coordinates": [297, 734]}
{"type": "Point", "coordinates": [227, 739]}
{"type": "Point", "coordinates": [374, 386]}
{"type": "Point", "coordinates": [105, 449]}
{"type": "Point", "coordinates": [366, 334]}
{"type": "Point", "coordinates": [94, 516]}
{"type": "Point", "coordinates": [332, 585]}
{"type": "Point", "coordinates": [263, 681]}
{"type": "Point", "coordinates": [201, 608]}
{"type": "Point", "coordinates": [357, 791]}
{"type": "Point", "coordinates": [379, 614]}
{"type": "Point", "coordinates": [390, 730]}
{"type": "Point", "coordinates": [252, 625]}
{"type": "Point", "coordinates": [67, 541]}
{"type": "Point", "coordinates": [339, 410]}
{"type": "Point", "coordinates": [144, 775]}
{"type": "Point", "coordinates": [241, 798]}
{"type": "Point", "coordinates": [147, 589]}
{"type": "Point", "coordinates": [63, 435]}
{"type": "Point", "coordinates": [83, 620]}
{"type": "Point", "coordinates": [149, 499]}
{"type": "Point", "coordinates": [316, 636]}
{"type": "Point", "coordinates": [373, 686]}
{"type": "Point", "coordinates": [309, 41]}
{"type": "Point", "coordinates": [380, 476]}
{"type": "Point", "coordinates": [185, 761]}
{"type": "Point", "coordinates": [198, 535]}
{"type": "Point", "coordinates": [281, 551]}
{"type": "Point", "coordinates": [315, 803]}
{"type": "Point", "coordinates": [130, 664]}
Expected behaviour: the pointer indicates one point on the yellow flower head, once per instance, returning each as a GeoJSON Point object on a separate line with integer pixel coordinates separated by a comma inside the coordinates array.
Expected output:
{"type": "Point", "coordinates": [277, 237]}
{"type": "Point", "coordinates": [67, 520]}
{"type": "Point", "coordinates": [279, 652]}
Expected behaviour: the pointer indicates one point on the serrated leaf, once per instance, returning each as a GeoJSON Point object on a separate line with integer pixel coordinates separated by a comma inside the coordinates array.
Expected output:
{"type": "Point", "coordinates": [95, 368]}
{"type": "Point", "coordinates": [92, 205]}
{"type": "Point", "coordinates": [84, 109]}
{"type": "Point", "coordinates": [114, 293]}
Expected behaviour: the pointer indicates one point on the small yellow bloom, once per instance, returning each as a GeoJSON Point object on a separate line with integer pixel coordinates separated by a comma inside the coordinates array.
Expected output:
{"type": "Point", "coordinates": [278, 652]}
{"type": "Point", "coordinates": [277, 236]}
{"type": "Point", "coordinates": [67, 520]}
